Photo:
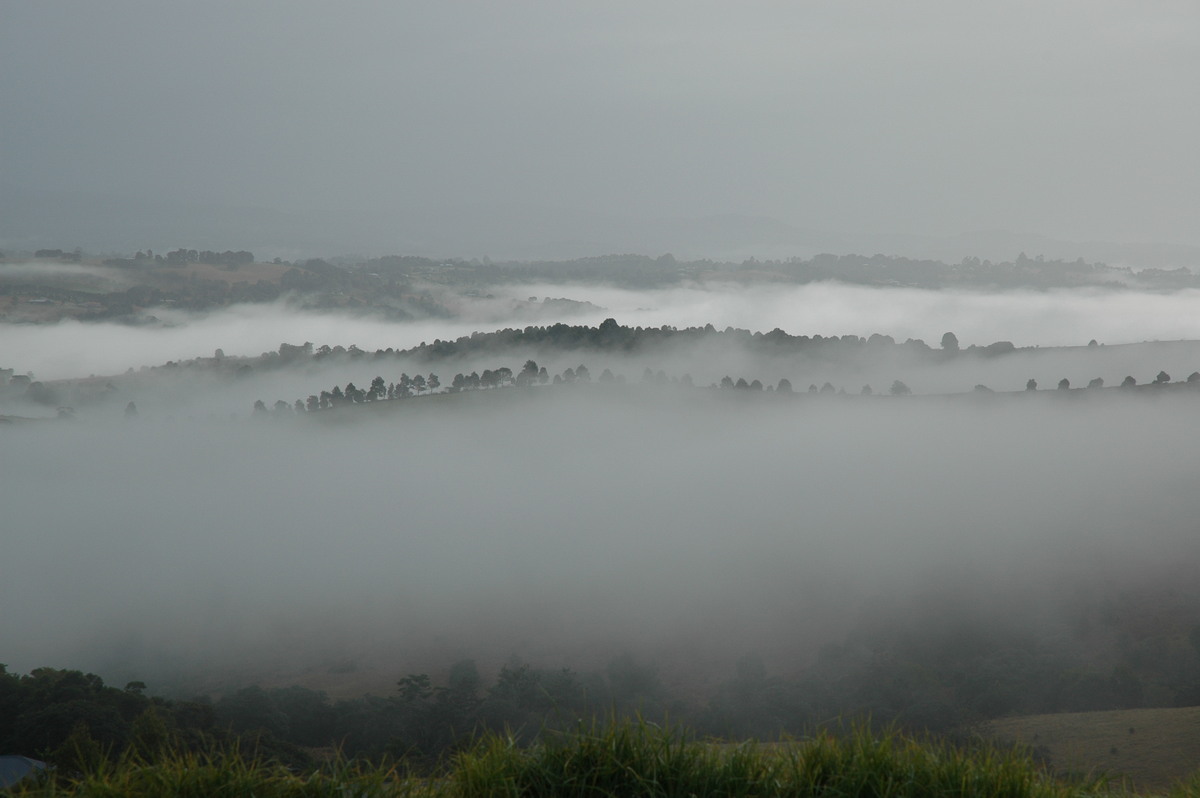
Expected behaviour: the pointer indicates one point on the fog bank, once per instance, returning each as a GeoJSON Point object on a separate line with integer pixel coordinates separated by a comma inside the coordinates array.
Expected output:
{"type": "Point", "coordinates": [565, 527]}
{"type": "Point", "coordinates": [1052, 318]}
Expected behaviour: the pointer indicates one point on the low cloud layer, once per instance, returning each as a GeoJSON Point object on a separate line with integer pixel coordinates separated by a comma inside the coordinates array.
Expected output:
{"type": "Point", "coordinates": [195, 546]}
{"type": "Point", "coordinates": [565, 529]}
{"type": "Point", "coordinates": [1052, 318]}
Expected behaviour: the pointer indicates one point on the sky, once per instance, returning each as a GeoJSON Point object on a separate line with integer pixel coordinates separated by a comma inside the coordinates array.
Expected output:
{"type": "Point", "coordinates": [1076, 120]}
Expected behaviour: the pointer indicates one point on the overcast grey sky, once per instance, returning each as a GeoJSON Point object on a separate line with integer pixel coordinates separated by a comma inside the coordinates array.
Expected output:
{"type": "Point", "coordinates": [1071, 119]}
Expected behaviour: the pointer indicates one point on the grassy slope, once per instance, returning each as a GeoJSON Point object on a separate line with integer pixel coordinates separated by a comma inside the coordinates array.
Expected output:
{"type": "Point", "coordinates": [628, 759]}
{"type": "Point", "coordinates": [1153, 747]}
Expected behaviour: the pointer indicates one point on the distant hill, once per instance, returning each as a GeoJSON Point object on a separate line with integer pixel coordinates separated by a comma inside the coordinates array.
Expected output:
{"type": "Point", "coordinates": [32, 219]}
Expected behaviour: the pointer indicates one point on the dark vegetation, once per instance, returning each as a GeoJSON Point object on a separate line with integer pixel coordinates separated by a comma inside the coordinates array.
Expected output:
{"type": "Point", "coordinates": [612, 338]}
{"type": "Point", "coordinates": [532, 375]}
{"type": "Point", "coordinates": [73, 719]}
{"type": "Point", "coordinates": [608, 338]}
{"type": "Point", "coordinates": [621, 758]}
{"type": "Point", "coordinates": [642, 759]}
{"type": "Point", "coordinates": [921, 672]}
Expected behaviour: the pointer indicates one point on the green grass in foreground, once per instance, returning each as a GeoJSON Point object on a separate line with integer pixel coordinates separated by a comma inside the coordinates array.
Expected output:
{"type": "Point", "coordinates": [624, 759]}
{"type": "Point", "coordinates": [645, 761]}
{"type": "Point", "coordinates": [226, 775]}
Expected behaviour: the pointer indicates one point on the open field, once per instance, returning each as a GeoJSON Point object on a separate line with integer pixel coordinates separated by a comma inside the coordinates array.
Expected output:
{"type": "Point", "coordinates": [1154, 748]}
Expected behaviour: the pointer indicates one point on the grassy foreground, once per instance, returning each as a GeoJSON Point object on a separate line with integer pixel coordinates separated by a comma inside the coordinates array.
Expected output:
{"type": "Point", "coordinates": [626, 759]}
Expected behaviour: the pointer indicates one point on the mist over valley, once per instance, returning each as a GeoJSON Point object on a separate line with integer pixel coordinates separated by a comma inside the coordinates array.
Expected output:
{"type": "Point", "coordinates": [575, 522]}
{"type": "Point", "coordinates": [377, 379]}
{"type": "Point", "coordinates": [615, 496]}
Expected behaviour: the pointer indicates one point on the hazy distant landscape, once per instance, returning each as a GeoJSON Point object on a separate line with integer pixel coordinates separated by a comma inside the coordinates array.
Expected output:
{"type": "Point", "coordinates": [428, 398]}
{"type": "Point", "coordinates": [476, 470]}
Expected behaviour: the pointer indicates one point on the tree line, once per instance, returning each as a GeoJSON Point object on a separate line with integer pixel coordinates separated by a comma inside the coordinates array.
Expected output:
{"type": "Point", "coordinates": [75, 721]}
{"type": "Point", "coordinates": [641, 271]}
{"type": "Point", "coordinates": [893, 668]}
{"type": "Point", "coordinates": [532, 374]}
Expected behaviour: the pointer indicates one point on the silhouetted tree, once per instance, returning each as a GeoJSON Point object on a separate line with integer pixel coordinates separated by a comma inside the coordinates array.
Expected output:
{"type": "Point", "coordinates": [784, 386]}
{"type": "Point", "coordinates": [1128, 382]}
{"type": "Point", "coordinates": [1162, 379]}
{"type": "Point", "coordinates": [950, 342]}
{"type": "Point", "coordinates": [414, 687]}
{"type": "Point", "coordinates": [528, 374]}
{"type": "Point", "coordinates": [1097, 382]}
{"type": "Point", "coordinates": [1064, 384]}
{"type": "Point", "coordinates": [900, 389]}
{"type": "Point", "coordinates": [1031, 384]}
